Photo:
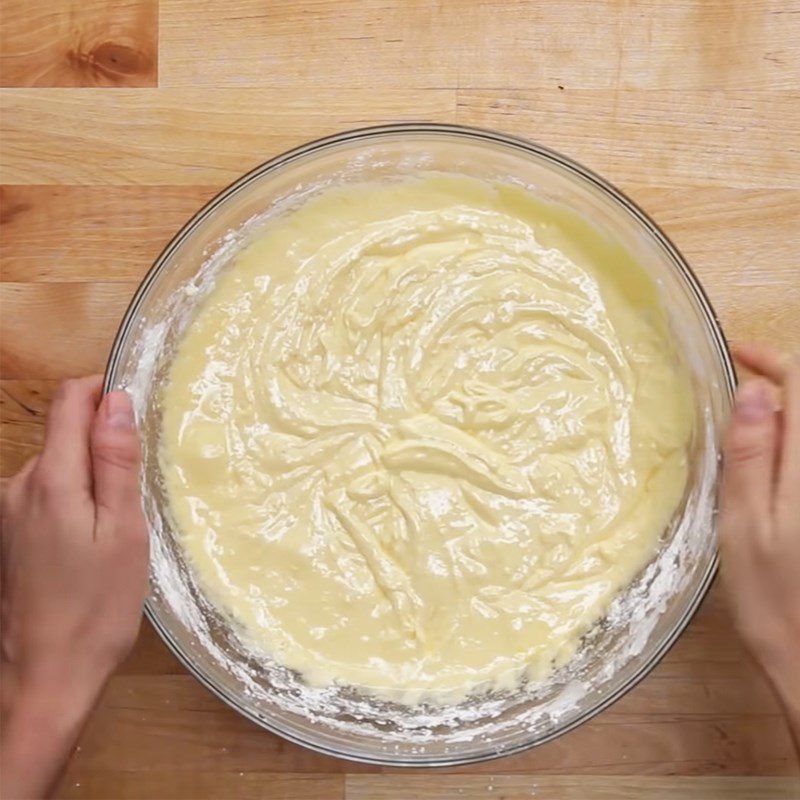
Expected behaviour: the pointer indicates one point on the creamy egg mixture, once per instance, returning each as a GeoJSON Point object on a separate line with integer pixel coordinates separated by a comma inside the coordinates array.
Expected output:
{"type": "Point", "coordinates": [420, 433]}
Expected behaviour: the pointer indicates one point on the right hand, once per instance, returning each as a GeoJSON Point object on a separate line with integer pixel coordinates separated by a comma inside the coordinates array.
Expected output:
{"type": "Point", "coordinates": [759, 518]}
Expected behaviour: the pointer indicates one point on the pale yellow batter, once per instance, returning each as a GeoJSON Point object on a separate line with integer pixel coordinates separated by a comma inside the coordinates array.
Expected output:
{"type": "Point", "coordinates": [421, 433]}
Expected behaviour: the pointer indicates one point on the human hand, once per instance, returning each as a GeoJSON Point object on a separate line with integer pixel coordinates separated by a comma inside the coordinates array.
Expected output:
{"type": "Point", "coordinates": [74, 577]}
{"type": "Point", "coordinates": [759, 519]}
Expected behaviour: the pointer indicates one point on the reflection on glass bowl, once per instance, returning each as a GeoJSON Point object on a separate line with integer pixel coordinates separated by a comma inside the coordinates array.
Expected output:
{"type": "Point", "coordinates": [643, 621]}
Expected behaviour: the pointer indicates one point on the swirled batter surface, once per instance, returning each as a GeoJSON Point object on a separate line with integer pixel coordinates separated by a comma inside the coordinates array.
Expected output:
{"type": "Point", "coordinates": [420, 434]}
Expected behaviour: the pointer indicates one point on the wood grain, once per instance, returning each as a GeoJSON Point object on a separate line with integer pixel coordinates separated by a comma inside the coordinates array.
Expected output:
{"type": "Point", "coordinates": [704, 711]}
{"type": "Point", "coordinates": [561, 787]}
{"type": "Point", "coordinates": [741, 243]}
{"type": "Point", "coordinates": [222, 785]}
{"type": "Point", "coordinates": [141, 738]}
{"type": "Point", "coordinates": [671, 139]}
{"type": "Point", "coordinates": [67, 233]}
{"type": "Point", "coordinates": [218, 784]}
{"type": "Point", "coordinates": [23, 405]}
{"type": "Point", "coordinates": [186, 136]}
{"type": "Point", "coordinates": [500, 45]}
{"type": "Point", "coordinates": [76, 325]}
{"type": "Point", "coordinates": [744, 249]}
{"type": "Point", "coordinates": [690, 106]}
{"type": "Point", "coordinates": [665, 138]}
{"type": "Point", "coordinates": [79, 43]}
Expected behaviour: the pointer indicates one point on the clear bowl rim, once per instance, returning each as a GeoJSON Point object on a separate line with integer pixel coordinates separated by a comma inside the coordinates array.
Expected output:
{"type": "Point", "coordinates": [525, 147]}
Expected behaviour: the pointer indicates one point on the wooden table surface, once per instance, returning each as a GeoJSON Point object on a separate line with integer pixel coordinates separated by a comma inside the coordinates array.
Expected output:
{"type": "Point", "coordinates": [121, 117]}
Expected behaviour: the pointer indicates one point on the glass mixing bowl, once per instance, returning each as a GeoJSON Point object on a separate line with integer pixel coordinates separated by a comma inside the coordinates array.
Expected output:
{"type": "Point", "coordinates": [644, 620]}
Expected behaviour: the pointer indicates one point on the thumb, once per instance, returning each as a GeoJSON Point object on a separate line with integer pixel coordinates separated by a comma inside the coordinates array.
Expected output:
{"type": "Point", "coordinates": [116, 456]}
{"type": "Point", "coordinates": [749, 457]}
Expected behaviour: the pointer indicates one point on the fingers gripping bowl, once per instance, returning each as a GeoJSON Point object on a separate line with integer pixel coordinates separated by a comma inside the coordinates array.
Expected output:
{"type": "Point", "coordinates": [643, 619]}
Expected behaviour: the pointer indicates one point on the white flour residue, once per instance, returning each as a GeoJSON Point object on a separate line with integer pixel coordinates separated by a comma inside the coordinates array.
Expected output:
{"type": "Point", "coordinates": [340, 719]}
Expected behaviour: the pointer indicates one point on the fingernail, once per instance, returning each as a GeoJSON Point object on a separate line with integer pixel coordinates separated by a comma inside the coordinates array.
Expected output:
{"type": "Point", "coordinates": [753, 402]}
{"type": "Point", "coordinates": [119, 411]}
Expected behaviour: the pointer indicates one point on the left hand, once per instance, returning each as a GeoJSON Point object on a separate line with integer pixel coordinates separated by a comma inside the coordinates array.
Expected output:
{"type": "Point", "coordinates": [74, 577]}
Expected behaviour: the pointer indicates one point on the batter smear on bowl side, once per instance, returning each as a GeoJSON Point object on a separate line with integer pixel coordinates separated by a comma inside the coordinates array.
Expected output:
{"type": "Point", "coordinates": [421, 433]}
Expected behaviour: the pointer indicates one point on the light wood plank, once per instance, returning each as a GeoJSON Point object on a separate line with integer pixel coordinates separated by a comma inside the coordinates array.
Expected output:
{"type": "Point", "coordinates": [211, 136]}
{"type": "Point", "coordinates": [705, 709]}
{"type": "Point", "coordinates": [179, 726]}
{"type": "Point", "coordinates": [68, 233]}
{"type": "Point", "coordinates": [64, 233]}
{"type": "Point", "coordinates": [755, 299]}
{"type": "Point", "coordinates": [672, 693]}
{"type": "Point", "coordinates": [365, 44]}
{"type": "Point", "coordinates": [79, 43]}
{"type": "Point", "coordinates": [172, 723]}
{"type": "Point", "coordinates": [566, 787]}
{"type": "Point", "coordinates": [505, 44]}
{"type": "Point", "coordinates": [149, 726]}
{"type": "Point", "coordinates": [56, 331]}
{"type": "Point", "coordinates": [744, 248]}
{"type": "Point", "coordinates": [741, 244]}
{"type": "Point", "coordinates": [165, 784]}
{"type": "Point", "coordinates": [658, 138]}
{"type": "Point", "coordinates": [184, 136]}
